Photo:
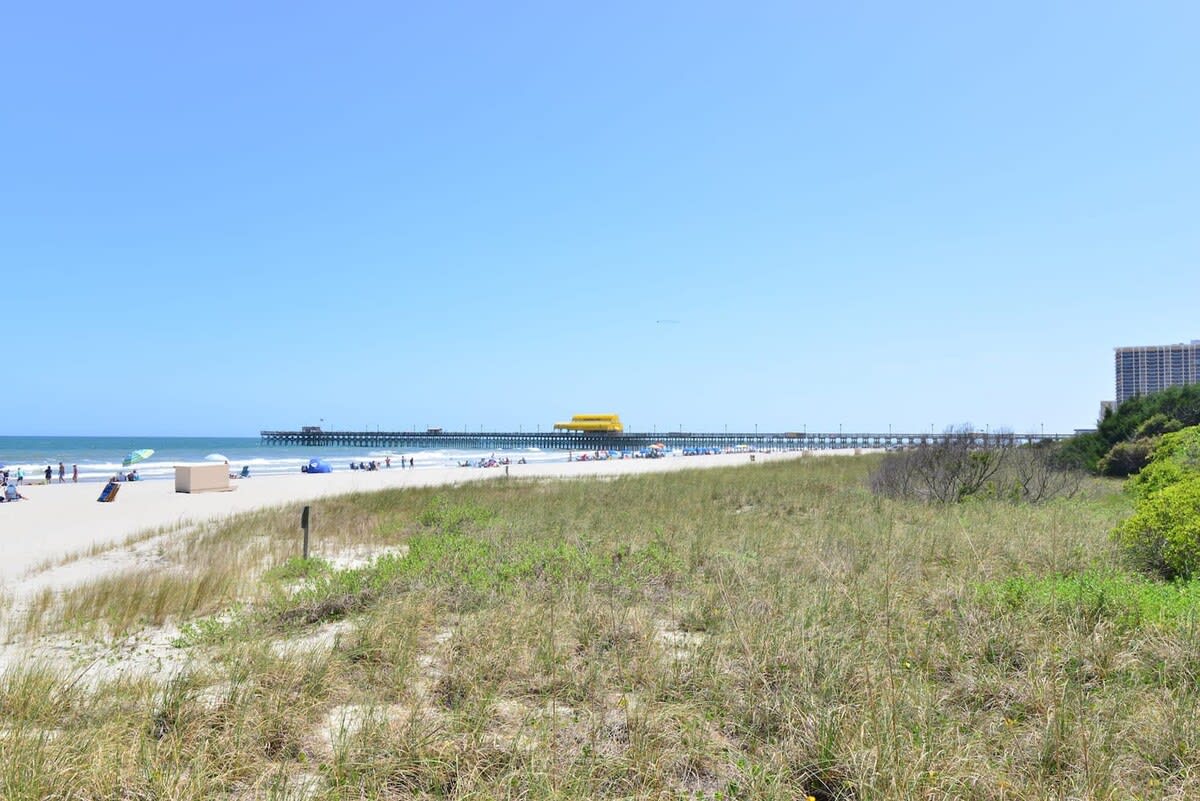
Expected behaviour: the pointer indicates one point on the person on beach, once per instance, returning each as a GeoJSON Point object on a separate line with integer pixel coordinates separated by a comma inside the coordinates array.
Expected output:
{"type": "Point", "coordinates": [410, 462]}
{"type": "Point", "coordinates": [11, 493]}
{"type": "Point", "coordinates": [387, 461]}
{"type": "Point", "coordinates": [62, 473]}
{"type": "Point", "coordinates": [20, 475]}
{"type": "Point", "coordinates": [49, 474]}
{"type": "Point", "coordinates": [74, 474]}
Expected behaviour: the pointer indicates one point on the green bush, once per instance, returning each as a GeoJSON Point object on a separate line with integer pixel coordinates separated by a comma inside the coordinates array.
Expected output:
{"type": "Point", "coordinates": [1083, 451]}
{"type": "Point", "coordinates": [1157, 425]}
{"type": "Point", "coordinates": [1175, 457]}
{"type": "Point", "coordinates": [1139, 417]}
{"type": "Point", "coordinates": [1180, 403]}
{"type": "Point", "coordinates": [1126, 458]}
{"type": "Point", "coordinates": [1163, 536]}
{"type": "Point", "coordinates": [1156, 476]}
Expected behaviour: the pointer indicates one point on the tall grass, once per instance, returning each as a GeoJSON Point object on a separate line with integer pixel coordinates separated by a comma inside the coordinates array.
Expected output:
{"type": "Point", "coordinates": [771, 631]}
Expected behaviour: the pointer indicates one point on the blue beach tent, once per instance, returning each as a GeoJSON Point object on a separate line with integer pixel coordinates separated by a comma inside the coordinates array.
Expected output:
{"type": "Point", "coordinates": [319, 466]}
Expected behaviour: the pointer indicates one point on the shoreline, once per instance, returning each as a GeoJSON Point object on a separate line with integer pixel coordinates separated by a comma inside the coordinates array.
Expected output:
{"type": "Point", "coordinates": [62, 519]}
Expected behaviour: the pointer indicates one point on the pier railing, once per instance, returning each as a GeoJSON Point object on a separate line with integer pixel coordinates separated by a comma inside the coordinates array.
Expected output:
{"type": "Point", "coordinates": [580, 441]}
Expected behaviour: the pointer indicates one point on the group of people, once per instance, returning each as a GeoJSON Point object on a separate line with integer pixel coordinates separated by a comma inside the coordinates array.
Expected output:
{"type": "Point", "coordinates": [19, 478]}
{"type": "Point", "coordinates": [491, 461]}
{"type": "Point", "coordinates": [387, 462]}
{"type": "Point", "coordinates": [10, 491]}
{"type": "Point", "coordinates": [9, 482]}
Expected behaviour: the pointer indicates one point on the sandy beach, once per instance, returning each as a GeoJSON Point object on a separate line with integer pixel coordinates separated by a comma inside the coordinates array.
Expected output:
{"type": "Point", "coordinates": [61, 519]}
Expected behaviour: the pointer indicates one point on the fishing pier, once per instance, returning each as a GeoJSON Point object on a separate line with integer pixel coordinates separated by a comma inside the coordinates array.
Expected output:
{"type": "Point", "coordinates": [629, 441]}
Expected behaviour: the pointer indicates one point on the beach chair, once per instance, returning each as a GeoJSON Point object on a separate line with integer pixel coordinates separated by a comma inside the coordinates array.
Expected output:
{"type": "Point", "coordinates": [109, 493]}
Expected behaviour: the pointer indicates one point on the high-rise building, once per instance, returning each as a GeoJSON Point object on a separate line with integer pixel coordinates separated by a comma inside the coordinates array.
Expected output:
{"type": "Point", "coordinates": [1142, 370]}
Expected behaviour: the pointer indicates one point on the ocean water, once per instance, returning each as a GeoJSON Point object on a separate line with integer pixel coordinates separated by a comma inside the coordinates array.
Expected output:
{"type": "Point", "coordinates": [100, 457]}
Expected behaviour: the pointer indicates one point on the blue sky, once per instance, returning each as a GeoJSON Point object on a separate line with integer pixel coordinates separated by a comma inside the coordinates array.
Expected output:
{"type": "Point", "coordinates": [217, 218]}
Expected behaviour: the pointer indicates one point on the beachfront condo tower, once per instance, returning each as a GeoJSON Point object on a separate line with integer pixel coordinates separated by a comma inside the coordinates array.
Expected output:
{"type": "Point", "coordinates": [1142, 370]}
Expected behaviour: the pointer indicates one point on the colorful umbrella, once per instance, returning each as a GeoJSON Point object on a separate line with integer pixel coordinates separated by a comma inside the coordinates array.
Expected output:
{"type": "Point", "coordinates": [137, 456]}
{"type": "Point", "coordinates": [216, 457]}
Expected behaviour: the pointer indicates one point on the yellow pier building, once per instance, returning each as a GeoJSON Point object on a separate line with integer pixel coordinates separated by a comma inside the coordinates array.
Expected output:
{"type": "Point", "coordinates": [604, 423]}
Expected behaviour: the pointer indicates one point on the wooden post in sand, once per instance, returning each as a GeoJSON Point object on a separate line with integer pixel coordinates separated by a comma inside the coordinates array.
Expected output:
{"type": "Point", "coordinates": [304, 525]}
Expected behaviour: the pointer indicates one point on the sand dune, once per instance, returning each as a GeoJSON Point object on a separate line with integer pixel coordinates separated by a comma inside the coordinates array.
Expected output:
{"type": "Point", "coordinates": [64, 518]}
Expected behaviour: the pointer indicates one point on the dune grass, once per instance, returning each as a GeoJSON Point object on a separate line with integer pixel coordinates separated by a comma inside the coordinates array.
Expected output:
{"type": "Point", "coordinates": [772, 631]}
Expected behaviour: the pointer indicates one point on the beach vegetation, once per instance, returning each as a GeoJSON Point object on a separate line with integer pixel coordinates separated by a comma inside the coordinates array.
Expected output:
{"type": "Point", "coordinates": [773, 631]}
{"type": "Point", "coordinates": [1175, 457]}
{"type": "Point", "coordinates": [960, 467]}
{"type": "Point", "coordinates": [1124, 438]}
{"type": "Point", "coordinates": [1128, 601]}
{"type": "Point", "coordinates": [1163, 534]}
{"type": "Point", "coordinates": [1126, 458]}
{"type": "Point", "coordinates": [1179, 403]}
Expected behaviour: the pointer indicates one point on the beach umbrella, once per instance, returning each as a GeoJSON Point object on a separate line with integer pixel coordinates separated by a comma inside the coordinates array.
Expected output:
{"type": "Point", "coordinates": [216, 457]}
{"type": "Point", "coordinates": [134, 457]}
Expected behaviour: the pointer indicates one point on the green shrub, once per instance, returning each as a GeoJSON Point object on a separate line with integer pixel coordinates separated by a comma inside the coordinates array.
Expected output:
{"type": "Point", "coordinates": [1181, 403]}
{"type": "Point", "coordinates": [1156, 476]}
{"type": "Point", "coordinates": [1137, 418]}
{"type": "Point", "coordinates": [1156, 426]}
{"type": "Point", "coordinates": [1163, 535]}
{"type": "Point", "coordinates": [1126, 458]}
{"type": "Point", "coordinates": [1175, 457]}
{"type": "Point", "coordinates": [1083, 452]}
{"type": "Point", "coordinates": [1182, 446]}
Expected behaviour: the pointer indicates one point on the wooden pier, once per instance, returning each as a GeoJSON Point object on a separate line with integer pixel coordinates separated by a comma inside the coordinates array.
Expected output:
{"type": "Point", "coordinates": [579, 441]}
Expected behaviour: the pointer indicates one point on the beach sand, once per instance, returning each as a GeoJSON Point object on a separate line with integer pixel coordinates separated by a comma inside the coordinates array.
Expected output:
{"type": "Point", "coordinates": [63, 519]}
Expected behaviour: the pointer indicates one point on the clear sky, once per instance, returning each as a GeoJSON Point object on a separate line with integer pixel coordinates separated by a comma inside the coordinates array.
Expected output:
{"type": "Point", "coordinates": [221, 217]}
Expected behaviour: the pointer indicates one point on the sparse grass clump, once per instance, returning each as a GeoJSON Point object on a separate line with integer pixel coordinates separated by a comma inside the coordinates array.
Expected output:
{"type": "Point", "coordinates": [774, 631]}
